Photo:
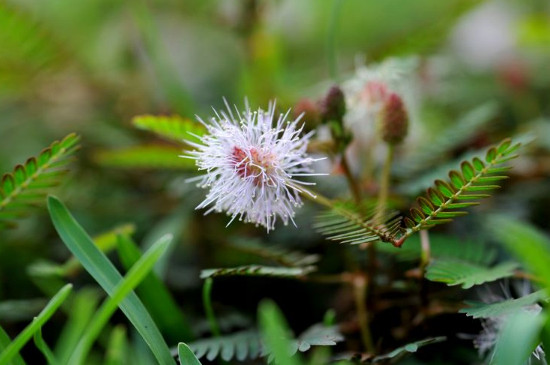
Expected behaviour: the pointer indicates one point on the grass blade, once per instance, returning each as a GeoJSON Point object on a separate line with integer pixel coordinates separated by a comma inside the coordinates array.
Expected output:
{"type": "Point", "coordinates": [4, 342]}
{"type": "Point", "coordinates": [133, 278]}
{"type": "Point", "coordinates": [83, 306]}
{"type": "Point", "coordinates": [44, 348]}
{"type": "Point", "coordinates": [118, 347]}
{"type": "Point", "coordinates": [155, 295]}
{"type": "Point", "coordinates": [186, 356]}
{"type": "Point", "coordinates": [518, 338]}
{"type": "Point", "coordinates": [209, 310]}
{"type": "Point", "coordinates": [276, 334]}
{"type": "Point", "coordinates": [103, 271]}
{"type": "Point", "coordinates": [17, 344]}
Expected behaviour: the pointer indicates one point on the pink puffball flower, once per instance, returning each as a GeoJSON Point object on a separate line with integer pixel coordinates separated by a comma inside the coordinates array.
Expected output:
{"type": "Point", "coordinates": [250, 163]}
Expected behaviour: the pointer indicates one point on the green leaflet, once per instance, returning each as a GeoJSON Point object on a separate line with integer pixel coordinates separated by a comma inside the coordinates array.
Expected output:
{"type": "Point", "coordinates": [240, 345]}
{"type": "Point", "coordinates": [484, 310]}
{"type": "Point", "coordinates": [466, 274]}
{"type": "Point", "coordinates": [27, 185]}
{"type": "Point", "coordinates": [317, 335]}
{"type": "Point", "coordinates": [276, 253]}
{"type": "Point", "coordinates": [392, 356]}
{"type": "Point", "coordinates": [347, 223]}
{"type": "Point", "coordinates": [173, 127]}
{"type": "Point", "coordinates": [525, 242]}
{"type": "Point", "coordinates": [408, 348]}
{"type": "Point", "coordinates": [145, 157]}
{"type": "Point", "coordinates": [249, 344]}
{"type": "Point", "coordinates": [258, 270]}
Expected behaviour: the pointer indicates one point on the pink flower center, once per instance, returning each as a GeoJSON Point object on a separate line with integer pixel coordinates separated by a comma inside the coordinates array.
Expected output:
{"type": "Point", "coordinates": [374, 92]}
{"type": "Point", "coordinates": [256, 164]}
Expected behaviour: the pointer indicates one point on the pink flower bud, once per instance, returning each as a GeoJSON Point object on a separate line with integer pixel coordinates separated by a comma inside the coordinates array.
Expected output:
{"type": "Point", "coordinates": [333, 105]}
{"type": "Point", "coordinates": [394, 120]}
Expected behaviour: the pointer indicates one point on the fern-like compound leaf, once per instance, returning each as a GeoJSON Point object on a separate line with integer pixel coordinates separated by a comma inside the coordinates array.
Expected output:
{"type": "Point", "coordinates": [249, 344]}
{"type": "Point", "coordinates": [407, 349]}
{"type": "Point", "coordinates": [445, 199]}
{"type": "Point", "coordinates": [173, 127]}
{"type": "Point", "coordinates": [505, 307]}
{"type": "Point", "coordinates": [279, 254]}
{"type": "Point", "coordinates": [345, 224]}
{"type": "Point", "coordinates": [258, 270]}
{"type": "Point", "coordinates": [27, 184]}
{"type": "Point", "coordinates": [390, 357]}
{"type": "Point", "coordinates": [241, 346]}
{"type": "Point", "coordinates": [317, 335]}
{"type": "Point", "coordinates": [440, 205]}
{"type": "Point", "coordinates": [467, 274]}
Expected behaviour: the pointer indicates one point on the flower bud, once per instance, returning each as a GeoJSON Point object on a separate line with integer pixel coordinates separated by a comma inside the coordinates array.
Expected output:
{"type": "Point", "coordinates": [394, 120]}
{"type": "Point", "coordinates": [333, 105]}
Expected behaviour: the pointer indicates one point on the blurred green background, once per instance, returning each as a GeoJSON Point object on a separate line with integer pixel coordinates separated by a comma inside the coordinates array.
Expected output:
{"type": "Point", "coordinates": [90, 66]}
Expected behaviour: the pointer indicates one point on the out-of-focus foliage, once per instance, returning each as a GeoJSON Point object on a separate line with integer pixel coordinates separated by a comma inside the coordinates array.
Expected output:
{"type": "Point", "coordinates": [125, 80]}
{"type": "Point", "coordinates": [27, 184]}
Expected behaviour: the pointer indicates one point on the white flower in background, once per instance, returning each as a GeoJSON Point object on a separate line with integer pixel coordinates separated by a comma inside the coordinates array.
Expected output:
{"type": "Point", "coordinates": [251, 163]}
{"type": "Point", "coordinates": [366, 93]}
{"type": "Point", "coordinates": [368, 89]}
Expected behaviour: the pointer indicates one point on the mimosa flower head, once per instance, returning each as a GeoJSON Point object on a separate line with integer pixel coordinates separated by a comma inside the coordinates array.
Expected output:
{"type": "Point", "coordinates": [251, 162]}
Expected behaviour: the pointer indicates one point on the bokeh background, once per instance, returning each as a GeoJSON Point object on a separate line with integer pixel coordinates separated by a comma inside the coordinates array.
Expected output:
{"type": "Point", "coordinates": [90, 66]}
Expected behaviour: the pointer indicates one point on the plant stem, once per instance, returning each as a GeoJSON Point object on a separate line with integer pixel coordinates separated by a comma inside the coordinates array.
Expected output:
{"type": "Point", "coordinates": [360, 293]}
{"type": "Point", "coordinates": [314, 196]}
{"type": "Point", "coordinates": [425, 250]}
{"type": "Point", "coordinates": [384, 186]}
{"type": "Point", "coordinates": [379, 216]}
{"type": "Point", "coordinates": [354, 187]}
{"type": "Point", "coordinates": [367, 172]}
{"type": "Point", "coordinates": [358, 281]}
{"type": "Point", "coordinates": [425, 253]}
{"type": "Point", "coordinates": [345, 277]}
{"type": "Point", "coordinates": [207, 302]}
